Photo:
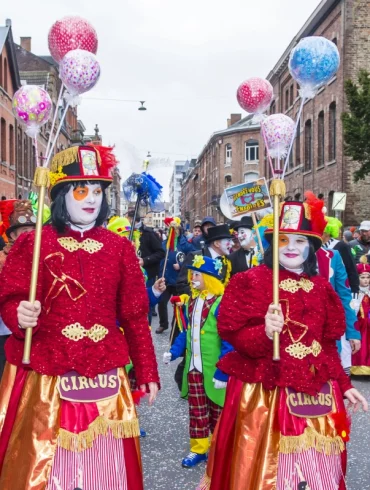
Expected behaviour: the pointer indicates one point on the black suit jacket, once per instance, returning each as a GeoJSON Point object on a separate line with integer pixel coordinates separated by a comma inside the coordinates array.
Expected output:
{"type": "Point", "coordinates": [151, 251]}
{"type": "Point", "coordinates": [238, 261]}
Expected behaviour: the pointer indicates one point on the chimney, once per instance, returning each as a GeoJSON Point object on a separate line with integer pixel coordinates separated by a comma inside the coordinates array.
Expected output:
{"type": "Point", "coordinates": [234, 118]}
{"type": "Point", "coordinates": [26, 43]}
{"type": "Point", "coordinates": [228, 123]}
{"type": "Point", "coordinates": [8, 22]}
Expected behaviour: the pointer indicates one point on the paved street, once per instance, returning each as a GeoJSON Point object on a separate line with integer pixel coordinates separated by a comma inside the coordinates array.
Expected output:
{"type": "Point", "coordinates": [167, 441]}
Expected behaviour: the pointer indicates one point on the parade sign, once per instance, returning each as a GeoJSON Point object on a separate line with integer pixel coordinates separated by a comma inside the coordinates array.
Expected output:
{"type": "Point", "coordinates": [247, 198]}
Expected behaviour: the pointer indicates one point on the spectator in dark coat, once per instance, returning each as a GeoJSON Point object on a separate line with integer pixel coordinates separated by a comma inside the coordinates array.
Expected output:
{"type": "Point", "coordinates": [361, 245]}
{"type": "Point", "coordinates": [206, 224]}
{"type": "Point", "coordinates": [174, 263]}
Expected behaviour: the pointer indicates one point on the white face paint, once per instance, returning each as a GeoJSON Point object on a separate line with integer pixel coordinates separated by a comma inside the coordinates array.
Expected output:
{"type": "Point", "coordinates": [293, 250]}
{"type": "Point", "coordinates": [226, 245]}
{"type": "Point", "coordinates": [84, 203]}
{"type": "Point", "coordinates": [197, 280]}
{"type": "Point", "coordinates": [245, 236]}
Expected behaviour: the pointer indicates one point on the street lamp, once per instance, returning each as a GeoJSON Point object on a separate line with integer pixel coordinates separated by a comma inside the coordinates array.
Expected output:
{"type": "Point", "coordinates": [142, 108]}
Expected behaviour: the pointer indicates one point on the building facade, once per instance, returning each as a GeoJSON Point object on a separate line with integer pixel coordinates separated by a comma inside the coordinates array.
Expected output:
{"type": "Point", "coordinates": [9, 84]}
{"type": "Point", "coordinates": [231, 156]}
{"type": "Point", "coordinates": [317, 161]}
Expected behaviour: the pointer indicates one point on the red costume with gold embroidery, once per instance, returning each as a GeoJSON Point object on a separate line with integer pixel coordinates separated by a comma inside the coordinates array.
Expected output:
{"type": "Point", "coordinates": [73, 292]}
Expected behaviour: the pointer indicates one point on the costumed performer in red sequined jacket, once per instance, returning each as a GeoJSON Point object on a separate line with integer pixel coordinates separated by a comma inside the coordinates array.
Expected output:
{"type": "Point", "coordinates": [68, 420]}
{"type": "Point", "coordinates": [284, 423]}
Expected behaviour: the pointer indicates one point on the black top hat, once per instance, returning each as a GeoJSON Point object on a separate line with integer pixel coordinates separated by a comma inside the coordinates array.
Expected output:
{"type": "Point", "coordinates": [218, 233]}
{"type": "Point", "coordinates": [245, 222]}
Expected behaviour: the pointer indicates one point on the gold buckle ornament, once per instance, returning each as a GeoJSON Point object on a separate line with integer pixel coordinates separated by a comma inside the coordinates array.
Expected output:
{"type": "Point", "coordinates": [292, 286]}
{"type": "Point", "coordinates": [77, 332]}
{"type": "Point", "coordinates": [72, 245]}
{"type": "Point", "coordinates": [300, 351]}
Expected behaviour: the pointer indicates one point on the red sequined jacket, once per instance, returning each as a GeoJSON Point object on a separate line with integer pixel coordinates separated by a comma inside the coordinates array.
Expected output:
{"type": "Point", "coordinates": [85, 284]}
{"type": "Point", "coordinates": [314, 304]}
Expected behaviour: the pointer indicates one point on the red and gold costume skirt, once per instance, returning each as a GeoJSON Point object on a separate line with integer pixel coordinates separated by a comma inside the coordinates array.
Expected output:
{"type": "Point", "coordinates": [50, 443]}
{"type": "Point", "coordinates": [261, 444]}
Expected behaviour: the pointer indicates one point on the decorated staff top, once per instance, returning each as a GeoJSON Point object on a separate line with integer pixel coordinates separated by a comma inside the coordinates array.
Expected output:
{"type": "Point", "coordinates": [143, 187]}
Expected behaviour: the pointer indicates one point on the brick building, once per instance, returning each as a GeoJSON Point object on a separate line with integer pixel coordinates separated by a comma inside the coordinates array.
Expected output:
{"type": "Point", "coordinates": [317, 162]}
{"type": "Point", "coordinates": [9, 84]}
{"type": "Point", "coordinates": [230, 156]}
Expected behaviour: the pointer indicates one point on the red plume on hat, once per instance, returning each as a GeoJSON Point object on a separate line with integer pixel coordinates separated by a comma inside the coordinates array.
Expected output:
{"type": "Point", "coordinates": [108, 158]}
{"type": "Point", "coordinates": [6, 209]}
{"type": "Point", "coordinates": [316, 205]}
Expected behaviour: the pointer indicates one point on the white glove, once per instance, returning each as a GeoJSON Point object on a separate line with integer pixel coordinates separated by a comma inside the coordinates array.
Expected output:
{"type": "Point", "coordinates": [219, 385]}
{"type": "Point", "coordinates": [167, 356]}
{"type": "Point", "coordinates": [355, 305]}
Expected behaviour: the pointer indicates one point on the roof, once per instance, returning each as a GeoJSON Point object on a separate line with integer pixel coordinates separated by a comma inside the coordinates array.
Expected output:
{"type": "Point", "coordinates": [239, 127]}
{"type": "Point", "coordinates": [6, 37]}
{"type": "Point", "coordinates": [40, 78]}
{"type": "Point", "coordinates": [50, 60]}
{"type": "Point", "coordinates": [321, 11]}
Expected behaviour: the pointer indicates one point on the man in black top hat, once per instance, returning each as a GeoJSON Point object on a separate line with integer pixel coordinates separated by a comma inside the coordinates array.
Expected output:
{"type": "Point", "coordinates": [218, 244]}
{"type": "Point", "coordinates": [241, 260]}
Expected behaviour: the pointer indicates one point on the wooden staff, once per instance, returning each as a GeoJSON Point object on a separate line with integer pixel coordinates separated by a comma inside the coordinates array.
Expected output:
{"type": "Point", "coordinates": [134, 219]}
{"type": "Point", "coordinates": [277, 191]}
{"type": "Point", "coordinates": [254, 219]}
{"type": "Point", "coordinates": [41, 180]}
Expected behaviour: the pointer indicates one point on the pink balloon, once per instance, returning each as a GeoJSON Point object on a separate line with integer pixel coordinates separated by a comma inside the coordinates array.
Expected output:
{"type": "Point", "coordinates": [71, 33]}
{"type": "Point", "coordinates": [79, 70]}
{"type": "Point", "coordinates": [278, 130]}
{"type": "Point", "coordinates": [32, 106]}
{"type": "Point", "coordinates": [255, 95]}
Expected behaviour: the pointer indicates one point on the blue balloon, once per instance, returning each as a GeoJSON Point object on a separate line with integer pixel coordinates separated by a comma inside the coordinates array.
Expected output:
{"type": "Point", "coordinates": [313, 63]}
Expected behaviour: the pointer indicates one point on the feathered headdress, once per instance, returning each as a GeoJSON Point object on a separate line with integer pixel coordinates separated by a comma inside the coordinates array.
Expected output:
{"type": "Point", "coordinates": [143, 187]}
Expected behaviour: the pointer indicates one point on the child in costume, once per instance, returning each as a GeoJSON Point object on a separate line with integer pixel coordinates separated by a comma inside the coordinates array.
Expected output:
{"type": "Point", "coordinates": [203, 384]}
{"type": "Point", "coordinates": [361, 360]}
{"type": "Point", "coordinates": [278, 415]}
{"type": "Point", "coordinates": [68, 418]}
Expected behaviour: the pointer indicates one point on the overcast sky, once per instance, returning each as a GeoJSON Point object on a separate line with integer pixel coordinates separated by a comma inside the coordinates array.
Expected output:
{"type": "Point", "coordinates": [185, 59]}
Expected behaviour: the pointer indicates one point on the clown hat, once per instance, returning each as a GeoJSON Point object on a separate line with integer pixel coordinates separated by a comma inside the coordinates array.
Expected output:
{"type": "Point", "coordinates": [120, 226]}
{"type": "Point", "coordinates": [206, 265]}
{"type": "Point", "coordinates": [302, 218]}
{"type": "Point", "coordinates": [87, 163]}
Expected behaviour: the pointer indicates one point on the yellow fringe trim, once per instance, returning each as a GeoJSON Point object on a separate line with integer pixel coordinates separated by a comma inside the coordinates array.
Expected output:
{"type": "Point", "coordinates": [310, 439]}
{"type": "Point", "coordinates": [63, 158]}
{"type": "Point", "coordinates": [277, 188]}
{"type": "Point", "coordinates": [68, 156]}
{"type": "Point", "coordinates": [205, 483]}
{"type": "Point", "coordinates": [360, 370]}
{"type": "Point", "coordinates": [84, 440]}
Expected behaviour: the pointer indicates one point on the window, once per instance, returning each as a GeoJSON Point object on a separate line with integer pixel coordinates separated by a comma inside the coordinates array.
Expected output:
{"type": "Point", "coordinates": [11, 145]}
{"type": "Point", "coordinates": [1, 70]}
{"type": "Point", "coordinates": [273, 108]}
{"type": "Point", "coordinates": [3, 140]}
{"type": "Point", "coordinates": [20, 154]}
{"type": "Point", "coordinates": [335, 41]}
{"type": "Point", "coordinates": [251, 151]}
{"type": "Point", "coordinates": [286, 99]}
{"type": "Point", "coordinates": [291, 95]}
{"type": "Point", "coordinates": [5, 80]}
{"type": "Point", "coordinates": [229, 154]}
{"type": "Point", "coordinates": [298, 145]}
{"type": "Point", "coordinates": [321, 140]}
{"type": "Point", "coordinates": [332, 131]}
{"type": "Point", "coordinates": [291, 163]}
{"type": "Point", "coordinates": [228, 180]}
{"type": "Point", "coordinates": [34, 163]}
{"type": "Point", "coordinates": [308, 146]}
{"type": "Point", "coordinates": [298, 88]}
{"type": "Point", "coordinates": [251, 176]}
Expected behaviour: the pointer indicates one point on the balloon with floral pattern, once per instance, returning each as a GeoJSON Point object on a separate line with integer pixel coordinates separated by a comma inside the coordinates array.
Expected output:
{"type": "Point", "coordinates": [79, 71]}
{"type": "Point", "coordinates": [278, 130]}
{"type": "Point", "coordinates": [70, 33]}
{"type": "Point", "coordinates": [32, 106]}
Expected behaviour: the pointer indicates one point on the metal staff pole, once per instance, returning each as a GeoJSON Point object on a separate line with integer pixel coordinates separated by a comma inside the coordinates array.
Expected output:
{"type": "Point", "coordinates": [41, 180]}
{"type": "Point", "coordinates": [134, 218]}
